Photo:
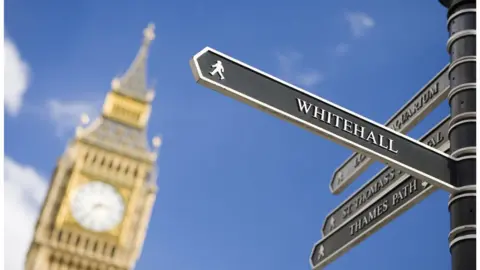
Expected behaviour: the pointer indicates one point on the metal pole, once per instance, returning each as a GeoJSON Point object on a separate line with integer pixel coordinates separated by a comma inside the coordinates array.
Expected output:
{"type": "Point", "coordinates": [461, 46]}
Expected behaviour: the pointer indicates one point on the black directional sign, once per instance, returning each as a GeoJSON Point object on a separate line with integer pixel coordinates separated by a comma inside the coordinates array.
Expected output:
{"type": "Point", "coordinates": [233, 78]}
{"type": "Point", "coordinates": [437, 137]}
{"type": "Point", "coordinates": [400, 198]}
{"type": "Point", "coordinates": [427, 99]}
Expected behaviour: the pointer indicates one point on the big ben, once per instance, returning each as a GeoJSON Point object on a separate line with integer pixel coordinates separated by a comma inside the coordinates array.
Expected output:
{"type": "Point", "coordinates": [98, 206]}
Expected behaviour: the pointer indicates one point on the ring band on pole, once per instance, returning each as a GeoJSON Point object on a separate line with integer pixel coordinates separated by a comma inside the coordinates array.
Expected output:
{"type": "Point", "coordinates": [460, 229]}
{"type": "Point", "coordinates": [459, 123]}
{"type": "Point", "coordinates": [462, 116]}
{"type": "Point", "coordinates": [458, 13]}
{"type": "Point", "coordinates": [466, 157]}
{"type": "Point", "coordinates": [461, 60]}
{"type": "Point", "coordinates": [460, 88]}
{"type": "Point", "coordinates": [460, 190]}
{"type": "Point", "coordinates": [460, 196]}
{"type": "Point", "coordinates": [462, 238]}
{"type": "Point", "coordinates": [463, 189]}
{"type": "Point", "coordinates": [464, 150]}
{"type": "Point", "coordinates": [459, 35]}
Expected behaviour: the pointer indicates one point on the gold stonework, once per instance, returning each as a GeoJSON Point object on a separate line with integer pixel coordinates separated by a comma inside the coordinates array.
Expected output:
{"type": "Point", "coordinates": [114, 149]}
{"type": "Point", "coordinates": [126, 110]}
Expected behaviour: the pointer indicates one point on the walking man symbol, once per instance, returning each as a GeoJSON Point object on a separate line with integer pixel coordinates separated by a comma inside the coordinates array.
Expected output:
{"type": "Point", "coordinates": [218, 68]}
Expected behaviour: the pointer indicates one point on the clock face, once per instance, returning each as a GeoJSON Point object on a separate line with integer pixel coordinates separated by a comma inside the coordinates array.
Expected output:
{"type": "Point", "coordinates": [97, 206]}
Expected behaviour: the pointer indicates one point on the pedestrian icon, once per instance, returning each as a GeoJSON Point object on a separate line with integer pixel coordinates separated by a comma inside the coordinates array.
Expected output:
{"type": "Point", "coordinates": [332, 223]}
{"type": "Point", "coordinates": [340, 177]}
{"type": "Point", "coordinates": [218, 68]}
{"type": "Point", "coordinates": [321, 252]}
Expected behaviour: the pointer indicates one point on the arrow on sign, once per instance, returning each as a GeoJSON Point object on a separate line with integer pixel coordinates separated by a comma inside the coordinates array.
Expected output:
{"type": "Point", "coordinates": [327, 119]}
{"type": "Point", "coordinates": [427, 99]}
{"type": "Point", "coordinates": [379, 184]}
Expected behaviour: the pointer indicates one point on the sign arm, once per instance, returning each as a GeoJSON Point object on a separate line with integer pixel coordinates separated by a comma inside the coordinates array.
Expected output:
{"type": "Point", "coordinates": [281, 99]}
{"type": "Point", "coordinates": [382, 182]}
{"type": "Point", "coordinates": [416, 109]}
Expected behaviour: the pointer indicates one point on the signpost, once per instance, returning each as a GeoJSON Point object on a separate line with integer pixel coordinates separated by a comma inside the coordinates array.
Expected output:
{"type": "Point", "coordinates": [462, 48]}
{"type": "Point", "coordinates": [414, 169]}
{"type": "Point", "coordinates": [233, 78]}
{"type": "Point", "coordinates": [426, 100]}
{"type": "Point", "coordinates": [382, 182]}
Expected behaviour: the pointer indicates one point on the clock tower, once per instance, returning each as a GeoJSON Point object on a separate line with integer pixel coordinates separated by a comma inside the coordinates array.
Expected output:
{"type": "Point", "coordinates": [96, 213]}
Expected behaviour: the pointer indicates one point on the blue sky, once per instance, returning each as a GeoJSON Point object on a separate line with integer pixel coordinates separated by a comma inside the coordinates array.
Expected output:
{"type": "Point", "coordinates": [239, 189]}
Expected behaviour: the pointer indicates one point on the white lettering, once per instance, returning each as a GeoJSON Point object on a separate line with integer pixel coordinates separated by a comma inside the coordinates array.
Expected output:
{"type": "Point", "coordinates": [346, 125]}
{"type": "Point", "coordinates": [317, 112]}
{"type": "Point", "coordinates": [366, 219]}
{"type": "Point", "coordinates": [358, 129]}
{"type": "Point", "coordinates": [371, 138]}
{"type": "Point", "coordinates": [406, 191]}
{"type": "Point", "coordinates": [337, 120]}
{"type": "Point", "coordinates": [302, 106]}
{"type": "Point", "coordinates": [390, 146]}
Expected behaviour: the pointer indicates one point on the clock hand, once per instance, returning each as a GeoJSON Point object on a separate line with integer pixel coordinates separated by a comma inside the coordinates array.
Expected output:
{"type": "Point", "coordinates": [97, 205]}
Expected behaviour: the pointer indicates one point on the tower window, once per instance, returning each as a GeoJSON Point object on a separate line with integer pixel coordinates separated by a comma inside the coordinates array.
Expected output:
{"type": "Point", "coordinates": [59, 237]}
{"type": "Point", "coordinates": [113, 252]}
{"type": "Point", "coordinates": [77, 242]}
{"type": "Point", "coordinates": [95, 246]}
{"type": "Point", "coordinates": [105, 248]}
{"type": "Point", "coordinates": [69, 235]}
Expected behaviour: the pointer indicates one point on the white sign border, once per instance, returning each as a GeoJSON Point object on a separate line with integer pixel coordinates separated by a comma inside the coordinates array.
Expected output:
{"type": "Point", "coordinates": [384, 220]}
{"type": "Point", "coordinates": [401, 178]}
{"type": "Point", "coordinates": [405, 129]}
{"type": "Point", "coordinates": [340, 140]}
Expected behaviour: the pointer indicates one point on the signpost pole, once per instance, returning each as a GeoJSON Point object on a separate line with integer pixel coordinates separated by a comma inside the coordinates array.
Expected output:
{"type": "Point", "coordinates": [462, 131]}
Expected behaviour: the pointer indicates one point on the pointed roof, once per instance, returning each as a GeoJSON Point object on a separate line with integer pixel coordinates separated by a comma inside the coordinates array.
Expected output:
{"type": "Point", "coordinates": [133, 83]}
{"type": "Point", "coordinates": [117, 137]}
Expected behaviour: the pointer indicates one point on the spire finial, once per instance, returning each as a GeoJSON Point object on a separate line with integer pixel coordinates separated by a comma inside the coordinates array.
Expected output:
{"type": "Point", "coordinates": [84, 119]}
{"type": "Point", "coordinates": [133, 82]}
{"type": "Point", "coordinates": [156, 141]}
{"type": "Point", "coordinates": [149, 33]}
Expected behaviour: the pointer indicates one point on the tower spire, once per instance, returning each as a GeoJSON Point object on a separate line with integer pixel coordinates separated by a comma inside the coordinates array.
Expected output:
{"type": "Point", "coordinates": [133, 83]}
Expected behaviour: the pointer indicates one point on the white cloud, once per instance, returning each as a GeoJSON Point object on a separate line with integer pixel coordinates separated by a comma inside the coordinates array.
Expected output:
{"type": "Point", "coordinates": [309, 78]}
{"type": "Point", "coordinates": [66, 114]}
{"type": "Point", "coordinates": [342, 49]}
{"type": "Point", "coordinates": [288, 60]}
{"type": "Point", "coordinates": [24, 190]}
{"type": "Point", "coordinates": [360, 23]}
{"type": "Point", "coordinates": [16, 78]}
{"type": "Point", "coordinates": [291, 69]}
